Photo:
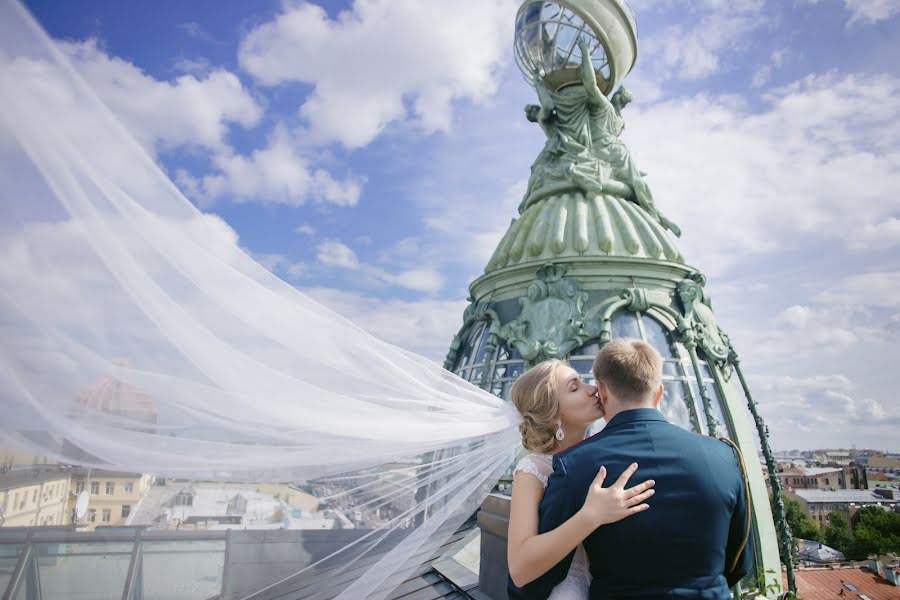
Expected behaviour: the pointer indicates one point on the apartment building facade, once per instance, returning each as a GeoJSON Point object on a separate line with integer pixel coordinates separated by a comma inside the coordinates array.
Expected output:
{"type": "Point", "coordinates": [34, 496]}
{"type": "Point", "coordinates": [112, 496]}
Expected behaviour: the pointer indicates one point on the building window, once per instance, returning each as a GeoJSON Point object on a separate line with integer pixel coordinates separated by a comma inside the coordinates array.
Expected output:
{"type": "Point", "coordinates": [110, 488]}
{"type": "Point", "coordinates": [91, 515]}
{"type": "Point", "coordinates": [79, 487]}
{"type": "Point", "coordinates": [34, 495]}
{"type": "Point", "coordinates": [126, 510]}
{"type": "Point", "coordinates": [681, 401]}
{"type": "Point", "coordinates": [184, 498]}
{"type": "Point", "coordinates": [129, 487]}
{"type": "Point", "coordinates": [470, 357]}
{"type": "Point", "coordinates": [107, 515]}
{"type": "Point", "coordinates": [15, 501]}
{"type": "Point", "coordinates": [95, 488]}
{"type": "Point", "coordinates": [508, 365]}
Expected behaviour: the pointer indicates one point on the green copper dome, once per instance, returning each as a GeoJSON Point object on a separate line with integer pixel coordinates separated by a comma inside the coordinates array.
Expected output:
{"type": "Point", "coordinates": [570, 224]}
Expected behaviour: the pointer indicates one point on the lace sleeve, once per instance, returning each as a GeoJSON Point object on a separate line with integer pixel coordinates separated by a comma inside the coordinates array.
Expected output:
{"type": "Point", "coordinates": [537, 465]}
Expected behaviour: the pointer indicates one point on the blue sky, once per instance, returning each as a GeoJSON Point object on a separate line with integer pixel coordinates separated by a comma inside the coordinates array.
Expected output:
{"type": "Point", "coordinates": [373, 153]}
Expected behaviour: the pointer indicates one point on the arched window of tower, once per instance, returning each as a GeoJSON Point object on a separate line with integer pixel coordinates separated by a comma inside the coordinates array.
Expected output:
{"type": "Point", "coordinates": [470, 359]}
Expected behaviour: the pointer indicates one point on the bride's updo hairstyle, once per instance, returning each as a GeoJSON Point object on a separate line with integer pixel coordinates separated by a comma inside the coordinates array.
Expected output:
{"type": "Point", "coordinates": [534, 396]}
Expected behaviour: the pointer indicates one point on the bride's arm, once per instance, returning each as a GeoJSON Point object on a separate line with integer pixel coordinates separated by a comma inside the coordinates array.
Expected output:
{"type": "Point", "coordinates": [530, 554]}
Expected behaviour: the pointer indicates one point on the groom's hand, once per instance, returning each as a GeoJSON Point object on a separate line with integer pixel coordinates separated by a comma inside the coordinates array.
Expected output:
{"type": "Point", "coordinates": [608, 505]}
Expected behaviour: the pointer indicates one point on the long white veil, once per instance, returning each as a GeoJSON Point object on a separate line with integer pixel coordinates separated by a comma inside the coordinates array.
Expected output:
{"type": "Point", "coordinates": [110, 277]}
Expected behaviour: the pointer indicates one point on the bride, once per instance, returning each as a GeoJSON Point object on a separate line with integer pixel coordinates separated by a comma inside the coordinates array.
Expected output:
{"type": "Point", "coordinates": [557, 408]}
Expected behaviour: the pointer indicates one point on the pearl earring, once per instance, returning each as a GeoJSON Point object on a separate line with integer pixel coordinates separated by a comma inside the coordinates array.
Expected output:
{"type": "Point", "coordinates": [560, 434]}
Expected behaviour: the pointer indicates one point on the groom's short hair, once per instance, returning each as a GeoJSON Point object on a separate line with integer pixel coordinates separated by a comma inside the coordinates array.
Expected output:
{"type": "Point", "coordinates": [631, 369]}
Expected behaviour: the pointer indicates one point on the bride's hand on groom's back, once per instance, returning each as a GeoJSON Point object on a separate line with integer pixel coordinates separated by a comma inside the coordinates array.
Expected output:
{"type": "Point", "coordinates": [605, 505]}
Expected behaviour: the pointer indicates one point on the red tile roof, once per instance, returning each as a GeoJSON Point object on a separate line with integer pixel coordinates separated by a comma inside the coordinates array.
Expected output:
{"type": "Point", "coordinates": [826, 584]}
{"type": "Point", "coordinates": [116, 397]}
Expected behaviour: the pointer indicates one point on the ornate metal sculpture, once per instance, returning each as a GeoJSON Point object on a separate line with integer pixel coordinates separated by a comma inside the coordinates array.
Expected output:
{"type": "Point", "coordinates": [551, 323]}
{"type": "Point", "coordinates": [583, 146]}
{"type": "Point", "coordinates": [698, 312]}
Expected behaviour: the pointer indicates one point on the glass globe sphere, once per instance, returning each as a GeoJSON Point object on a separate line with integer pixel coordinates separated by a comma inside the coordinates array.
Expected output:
{"type": "Point", "coordinates": [546, 40]}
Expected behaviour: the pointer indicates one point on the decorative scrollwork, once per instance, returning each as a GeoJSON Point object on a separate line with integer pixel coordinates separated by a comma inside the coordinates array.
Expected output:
{"type": "Point", "coordinates": [551, 323]}
{"type": "Point", "coordinates": [697, 310]}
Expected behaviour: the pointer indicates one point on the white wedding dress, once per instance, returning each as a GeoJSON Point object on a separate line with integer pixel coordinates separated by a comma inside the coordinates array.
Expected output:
{"type": "Point", "coordinates": [577, 583]}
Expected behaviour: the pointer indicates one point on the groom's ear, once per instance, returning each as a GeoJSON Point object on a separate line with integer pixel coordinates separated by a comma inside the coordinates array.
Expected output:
{"type": "Point", "coordinates": [602, 393]}
{"type": "Point", "coordinates": [659, 395]}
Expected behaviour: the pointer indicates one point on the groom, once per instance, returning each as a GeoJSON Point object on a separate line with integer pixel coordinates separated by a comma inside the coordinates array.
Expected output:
{"type": "Point", "coordinates": [693, 541]}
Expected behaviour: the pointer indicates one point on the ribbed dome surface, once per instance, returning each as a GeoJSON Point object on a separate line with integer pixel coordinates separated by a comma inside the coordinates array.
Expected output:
{"type": "Point", "coordinates": [572, 225]}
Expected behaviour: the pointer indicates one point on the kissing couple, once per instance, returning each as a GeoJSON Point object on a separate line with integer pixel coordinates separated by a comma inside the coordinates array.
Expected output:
{"type": "Point", "coordinates": [681, 533]}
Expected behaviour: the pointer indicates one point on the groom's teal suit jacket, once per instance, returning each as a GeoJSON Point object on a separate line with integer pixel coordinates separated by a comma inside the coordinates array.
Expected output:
{"type": "Point", "coordinates": [691, 543]}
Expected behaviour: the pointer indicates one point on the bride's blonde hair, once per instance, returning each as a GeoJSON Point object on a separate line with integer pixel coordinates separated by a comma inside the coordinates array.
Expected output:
{"type": "Point", "coordinates": [534, 396]}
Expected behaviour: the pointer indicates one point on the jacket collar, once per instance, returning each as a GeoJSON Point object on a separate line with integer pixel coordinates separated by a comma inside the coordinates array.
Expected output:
{"type": "Point", "coordinates": [635, 414]}
{"type": "Point", "coordinates": [632, 415]}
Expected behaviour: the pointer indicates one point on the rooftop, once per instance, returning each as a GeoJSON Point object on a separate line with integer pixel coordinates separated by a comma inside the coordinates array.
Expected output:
{"type": "Point", "coordinates": [817, 552]}
{"type": "Point", "coordinates": [855, 582]}
{"type": "Point", "coordinates": [15, 478]}
{"type": "Point", "coordinates": [101, 474]}
{"type": "Point", "coordinates": [186, 565]}
{"type": "Point", "coordinates": [816, 471]}
{"type": "Point", "coordinates": [859, 496]}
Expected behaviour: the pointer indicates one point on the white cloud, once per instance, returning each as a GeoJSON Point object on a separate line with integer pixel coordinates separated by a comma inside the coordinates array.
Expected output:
{"type": "Point", "coordinates": [696, 51]}
{"type": "Point", "coordinates": [877, 289]}
{"type": "Point", "coordinates": [873, 408]}
{"type": "Point", "coordinates": [873, 236]}
{"type": "Point", "coordinates": [281, 265]}
{"type": "Point", "coordinates": [197, 110]}
{"type": "Point", "coordinates": [381, 61]}
{"type": "Point", "coordinates": [485, 225]}
{"type": "Point", "coordinates": [763, 73]}
{"type": "Point", "coordinates": [872, 11]}
{"type": "Point", "coordinates": [196, 31]}
{"type": "Point", "coordinates": [893, 324]}
{"type": "Point", "coordinates": [805, 339]}
{"type": "Point", "coordinates": [466, 190]}
{"type": "Point", "coordinates": [333, 253]}
{"type": "Point", "coordinates": [868, 12]}
{"type": "Point", "coordinates": [799, 409]}
{"type": "Point", "coordinates": [421, 280]}
{"type": "Point", "coordinates": [795, 316]}
{"type": "Point", "coordinates": [277, 173]}
{"type": "Point", "coordinates": [744, 183]}
{"type": "Point", "coordinates": [425, 327]}
{"type": "Point", "coordinates": [188, 111]}
{"type": "Point", "coordinates": [305, 229]}
{"type": "Point", "coordinates": [336, 254]}
{"type": "Point", "coordinates": [192, 66]}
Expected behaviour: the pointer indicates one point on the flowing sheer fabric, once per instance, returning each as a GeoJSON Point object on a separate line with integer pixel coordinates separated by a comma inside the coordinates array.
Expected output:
{"type": "Point", "coordinates": [138, 336]}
